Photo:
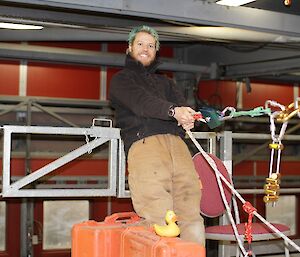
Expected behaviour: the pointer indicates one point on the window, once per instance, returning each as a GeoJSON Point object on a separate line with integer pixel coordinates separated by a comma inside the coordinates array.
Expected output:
{"type": "Point", "coordinates": [59, 217]}
{"type": "Point", "coordinates": [283, 211]}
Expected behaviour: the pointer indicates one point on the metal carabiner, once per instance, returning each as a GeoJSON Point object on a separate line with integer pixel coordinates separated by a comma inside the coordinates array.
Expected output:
{"type": "Point", "coordinates": [232, 111]}
{"type": "Point", "coordinates": [290, 111]}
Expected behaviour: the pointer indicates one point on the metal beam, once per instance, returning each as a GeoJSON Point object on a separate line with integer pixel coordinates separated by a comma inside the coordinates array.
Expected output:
{"type": "Point", "coordinates": [188, 11]}
{"type": "Point", "coordinates": [57, 16]}
{"type": "Point", "coordinates": [241, 157]}
{"type": "Point", "coordinates": [84, 57]}
{"type": "Point", "coordinates": [271, 67]}
{"type": "Point", "coordinates": [63, 34]}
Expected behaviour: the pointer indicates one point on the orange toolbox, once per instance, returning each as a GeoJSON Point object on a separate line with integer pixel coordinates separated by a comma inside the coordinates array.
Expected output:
{"type": "Point", "coordinates": [101, 239]}
{"type": "Point", "coordinates": [142, 242]}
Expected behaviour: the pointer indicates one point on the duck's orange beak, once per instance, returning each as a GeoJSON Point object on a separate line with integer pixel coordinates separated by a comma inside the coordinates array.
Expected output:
{"type": "Point", "coordinates": [174, 218]}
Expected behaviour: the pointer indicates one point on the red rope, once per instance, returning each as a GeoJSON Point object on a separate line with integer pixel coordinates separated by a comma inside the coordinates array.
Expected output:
{"type": "Point", "coordinates": [248, 225]}
{"type": "Point", "coordinates": [198, 116]}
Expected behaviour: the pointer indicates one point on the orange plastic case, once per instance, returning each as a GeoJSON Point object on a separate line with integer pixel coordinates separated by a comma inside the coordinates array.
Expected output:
{"type": "Point", "coordinates": [120, 235]}
{"type": "Point", "coordinates": [138, 241]}
{"type": "Point", "coordinates": [101, 239]}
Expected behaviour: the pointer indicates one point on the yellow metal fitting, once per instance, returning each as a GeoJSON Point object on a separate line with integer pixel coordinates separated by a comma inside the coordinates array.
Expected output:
{"type": "Point", "coordinates": [288, 113]}
{"type": "Point", "coordinates": [268, 187]}
{"type": "Point", "coordinates": [272, 188]}
{"type": "Point", "coordinates": [276, 146]}
{"type": "Point", "coordinates": [269, 198]}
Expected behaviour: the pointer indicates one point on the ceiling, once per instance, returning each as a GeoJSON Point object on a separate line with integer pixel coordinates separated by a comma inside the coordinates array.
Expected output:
{"type": "Point", "coordinates": [277, 6]}
{"type": "Point", "coordinates": [228, 42]}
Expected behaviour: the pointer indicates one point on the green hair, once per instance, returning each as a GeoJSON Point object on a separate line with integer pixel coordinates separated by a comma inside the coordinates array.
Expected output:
{"type": "Point", "coordinates": [146, 29]}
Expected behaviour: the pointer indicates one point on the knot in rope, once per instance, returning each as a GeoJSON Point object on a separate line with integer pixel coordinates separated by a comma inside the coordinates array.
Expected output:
{"type": "Point", "coordinates": [247, 207]}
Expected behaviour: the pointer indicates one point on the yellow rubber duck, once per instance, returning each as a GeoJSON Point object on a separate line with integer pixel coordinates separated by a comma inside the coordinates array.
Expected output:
{"type": "Point", "coordinates": [169, 230]}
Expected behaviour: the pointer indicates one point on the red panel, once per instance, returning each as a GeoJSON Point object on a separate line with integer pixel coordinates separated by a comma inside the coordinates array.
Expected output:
{"type": "Point", "coordinates": [66, 81]}
{"type": "Point", "coordinates": [98, 208]}
{"type": "Point", "coordinates": [110, 73]}
{"type": "Point", "coordinates": [297, 215]}
{"type": "Point", "coordinates": [121, 205]}
{"type": "Point", "coordinates": [117, 47]}
{"type": "Point", "coordinates": [218, 93]}
{"type": "Point", "coordinates": [244, 168]}
{"type": "Point", "coordinates": [223, 93]}
{"type": "Point", "coordinates": [13, 229]}
{"type": "Point", "coordinates": [290, 168]}
{"type": "Point", "coordinates": [263, 168]}
{"type": "Point", "coordinates": [262, 92]}
{"type": "Point", "coordinates": [166, 51]}
{"type": "Point", "coordinates": [9, 78]}
{"type": "Point", "coordinates": [17, 166]}
{"type": "Point", "coordinates": [75, 168]}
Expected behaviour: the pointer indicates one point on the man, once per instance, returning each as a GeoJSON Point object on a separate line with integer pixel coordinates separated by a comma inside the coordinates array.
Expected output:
{"type": "Point", "coordinates": [152, 115]}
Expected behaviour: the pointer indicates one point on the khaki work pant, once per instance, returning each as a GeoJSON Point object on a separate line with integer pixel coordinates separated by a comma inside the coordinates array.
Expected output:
{"type": "Point", "coordinates": [162, 177]}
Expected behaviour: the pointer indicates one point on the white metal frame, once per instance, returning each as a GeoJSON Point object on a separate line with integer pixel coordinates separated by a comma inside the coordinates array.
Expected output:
{"type": "Point", "coordinates": [101, 135]}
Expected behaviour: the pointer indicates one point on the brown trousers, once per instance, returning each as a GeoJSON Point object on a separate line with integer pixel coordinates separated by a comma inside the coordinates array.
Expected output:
{"type": "Point", "coordinates": [162, 177]}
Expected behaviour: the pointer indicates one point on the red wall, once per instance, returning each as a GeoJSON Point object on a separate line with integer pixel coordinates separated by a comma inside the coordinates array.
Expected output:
{"type": "Point", "coordinates": [223, 93]}
{"type": "Point", "coordinates": [9, 78]}
{"type": "Point", "coordinates": [83, 82]}
{"type": "Point", "coordinates": [63, 81]}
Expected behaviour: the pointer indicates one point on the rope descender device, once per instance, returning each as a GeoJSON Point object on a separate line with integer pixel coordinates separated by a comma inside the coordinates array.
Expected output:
{"type": "Point", "coordinates": [272, 188]}
{"type": "Point", "coordinates": [272, 185]}
{"type": "Point", "coordinates": [209, 116]}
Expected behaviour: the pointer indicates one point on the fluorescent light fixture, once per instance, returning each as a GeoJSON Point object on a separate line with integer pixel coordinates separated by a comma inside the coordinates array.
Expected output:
{"type": "Point", "coordinates": [234, 2]}
{"type": "Point", "coordinates": [6, 25]}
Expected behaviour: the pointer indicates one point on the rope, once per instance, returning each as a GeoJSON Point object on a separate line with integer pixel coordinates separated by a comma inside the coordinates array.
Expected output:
{"type": "Point", "coordinates": [247, 207]}
{"type": "Point", "coordinates": [87, 140]}
{"type": "Point", "coordinates": [258, 111]}
{"type": "Point", "coordinates": [219, 176]}
{"type": "Point", "coordinates": [237, 194]}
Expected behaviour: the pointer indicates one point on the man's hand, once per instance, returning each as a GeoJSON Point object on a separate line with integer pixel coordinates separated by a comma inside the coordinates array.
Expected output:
{"type": "Point", "coordinates": [185, 117]}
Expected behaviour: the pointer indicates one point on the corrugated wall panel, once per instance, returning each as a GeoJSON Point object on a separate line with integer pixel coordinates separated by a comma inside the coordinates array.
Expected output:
{"type": "Point", "coordinates": [9, 78]}
{"type": "Point", "coordinates": [63, 81]}
{"type": "Point", "coordinates": [262, 92]}
{"type": "Point", "coordinates": [78, 167]}
{"type": "Point", "coordinates": [218, 93]}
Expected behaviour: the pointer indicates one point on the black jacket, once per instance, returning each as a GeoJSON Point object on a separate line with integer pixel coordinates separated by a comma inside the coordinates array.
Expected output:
{"type": "Point", "coordinates": [141, 99]}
